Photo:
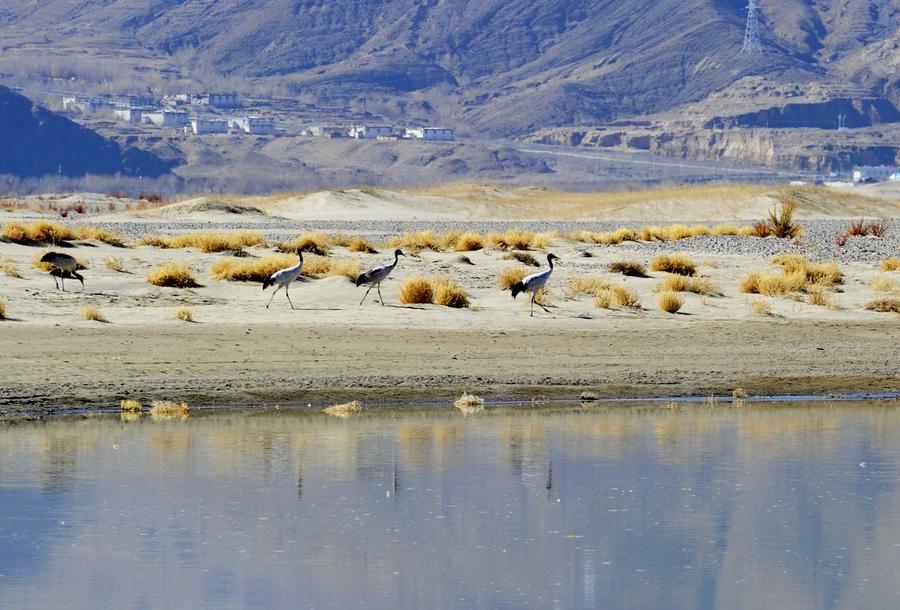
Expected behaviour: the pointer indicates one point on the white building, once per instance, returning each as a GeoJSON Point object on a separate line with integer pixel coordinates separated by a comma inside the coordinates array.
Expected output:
{"type": "Point", "coordinates": [200, 126]}
{"type": "Point", "coordinates": [433, 134]}
{"type": "Point", "coordinates": [370, 132]}
{"type": "Point", "coordinates": [253, 125]}
{"type": "Point", "coordinates": [324, 131]}
{"type": "Point", "coordinates": [167, 118]}
{"type": "Point", "coordinates": [219, 100]}
{"type": "Point", "coordinates": [131, 114]}
{"type": "Point", "coordinates": [874, 173]}
{"type": "Point", "coordinates": [895, 177]}
{"type": "Point", "coordinates": [84, 105]}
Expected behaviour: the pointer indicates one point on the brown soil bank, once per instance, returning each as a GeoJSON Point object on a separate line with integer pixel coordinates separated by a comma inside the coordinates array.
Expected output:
{"type": "Point", "coordinates": [56, 368]}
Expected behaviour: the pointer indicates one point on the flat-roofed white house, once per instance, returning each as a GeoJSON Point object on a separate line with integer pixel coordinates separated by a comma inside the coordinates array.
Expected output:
{"type": "Point", "coordinates": [199, 126]}
{"type": "Point", "coordinates": [324, 131]}
{"type": "Point", "coordinates": [370, 132]}
{"type": "Point", "coordinates": [877, 173]}
{"type": "Point", "coordinates": [167, 118]}
{"type": "Point", "coordinates": [78, 103]}
{"type": "Point", "coordinates": [434, 134]}
{"type": "Point", "coordinates": [253, 125]}
{"type": "Point", "coordinates": [132, 114]}
{"type": "Point", "coordinates": [219, 100]}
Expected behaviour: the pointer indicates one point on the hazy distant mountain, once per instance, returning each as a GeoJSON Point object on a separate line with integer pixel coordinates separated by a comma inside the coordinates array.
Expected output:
{"type": "Point", "coordinates": [35, 141]}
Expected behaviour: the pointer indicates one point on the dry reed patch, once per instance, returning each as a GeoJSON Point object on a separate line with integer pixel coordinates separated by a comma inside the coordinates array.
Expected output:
{"type": "Point", "coordinates": [417, 241]}
{"type": "Point", "coordinates": [130, 406]}
{"type": "Point", "coordinates": [448, 293]}
{"type": "Point", "coordinates": [891, 264]}
{"type": "Point", "coordinates": [739, 394]}
{"type": "Point", "coordinates": [884, 305]}
{"type": "Point", "coordinates": [818, 296]}
{"type": "Point", "coordinates": [468, 242]}
{"type": "Point", "coordinates": [469, 403]}
{"type": "Point", "coordinates": [670, 301]}
{"type": "Point", "coordinates": [626, 297]}
{"type": "Point", "coordinates": [316, 242]}
{"type": "Point", "coordinates": [603, 299]}
{"type": "Point", "coordinates": [510, 276]}
{"type": "Point", "coordinates": [39, 231]}
{"type": "Point", "coordinates": [628, 268]}
{"type": "Point", "coordinates": [184, 314]}
{"type": "Point", "coordinates": [778, 285]}
{"type": "Point", "coordinates": [514, 239]}
{"type": "Point", "coordinates": [416, 289]}
{"type": "Point", "coordinates": [760, 307]}
{"type": "Point", "coordinates": [166, 410]}
{"type": "Point", "coordinates": [93, 314]}
{"type": "Point", "coordinates": [781, 222]}
{"type": "Point", "coordinates": [100, 234]}
{"type": "Point", "coordinates": [206, 241]}
{"type": "Point", "coordinates": [240, 270]}
{"type": "Point", "coordinates": [523, 257]}
{"type": "Point", "coordinates": [824, 274]}
{"type": "Point", "coordinates": [883, 284]}
{"type": "Point", "coordinates": [789, 261]}
{"type": "Point", "coordinates": [2, 308]}
{"type": "Point", "coordinates": [359, 244]}
{"type": "Point", "coordinates": [10, 268]}
{"type": "Point", "coordinates": [674, 263]}
{"type": "Point", "coordinates": [586, 284]}
{"type": "Point", "coordinates": [681, 283]}
{"type": "Point", "coordinates": [115, 264]}
{"type": "Point", "coordinates": [344, 410]}
{"type": "Point", "coordinates": [173, 275]}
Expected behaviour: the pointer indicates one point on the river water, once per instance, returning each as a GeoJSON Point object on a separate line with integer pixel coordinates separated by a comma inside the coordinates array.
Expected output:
{"type": "Point", "coordinates": [785, 506]}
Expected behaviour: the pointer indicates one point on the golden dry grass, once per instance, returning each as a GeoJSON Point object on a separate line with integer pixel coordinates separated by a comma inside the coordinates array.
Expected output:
{"type": "Point", "coordinates": [2, 308]}
{"type": "Point", "coordinates": [359, 244]}
{"type": "Point", "coordinates": [650, 233]}
{"type": "Point", "coordinates": [511, 276]}
{"type": "Point", "coordinates": [630, 268]}
{"type": "Point", "coordinates": [10, 268]}
{"type": "Point", "coordinates": [603, 299]}
{"type": "Point", "coordinates": [468, 242]}
{"type": "Point", "coordinates": [586, 284]}
{"type": "Point", "coordinates": [891, 264]}
{"type": "Point", "coordinates": [115, 264]}
{"type": "Point", "coordinates": [184, 314]}
{"type": "Point", "coordinates": [448, 293]}
{"type": "Point", "coordinates": [523, 257]}
{"type": "Point", "coordinates": [416, 289]}
{"type": "Point", "coordinates": [417, 241]}
{"type": "Point", "coordinates": [760, 307]}
{"type": "Point", "coordinates": [469, 403]}
{"type": "Point", "coordinates": [316, 242]}
{"type": "Point", "coordinates": [670, 301]}
{"type": "Point", "coordinates": [674, 263]}
{"type": "Point", "coordinates": [206, 241]}
{"type": "Point", "coordinates": [884, 305]}
{"type": "Point", "coordinates": [778, 285]}
{"type": "Point", "coordinates": [682, 283]}
{"type": "Point", "coordinates": [818, 296]}
{"type": "Point", "coordinates": [739, 394]}
{"type": "Point", "coordinates": [790, 261]}
{"type": "Point", "coordinates": [93, 314]}
{"type": "Point", "coordinates": [824, 274]}
{"type": "Point", "coordinates": [88, 232]}
{"type": "Point", "coordinates": [344, 410]}
{"type": "Point", "coordinates": [883, 284]}
{"type": "Point", "coordinates": [256, 270]}
{"type": "Point", "coordinates": [174, 275]}
{"type": "Point", "coordinates": [161, 410]}
{"type": "Point", "coordinates": [626, 297]}
{"type": "Point", "coordinates": [130, 406]}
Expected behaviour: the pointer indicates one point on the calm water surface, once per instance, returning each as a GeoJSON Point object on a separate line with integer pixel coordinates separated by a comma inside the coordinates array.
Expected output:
{"type": "Point", "coordinates": [762, 507]}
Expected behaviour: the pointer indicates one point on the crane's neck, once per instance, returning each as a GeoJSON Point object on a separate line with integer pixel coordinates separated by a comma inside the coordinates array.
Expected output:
{"type": "Point", "coordinates": [299, 264]}
{"type": "Point", "coordinates": [550, 261]}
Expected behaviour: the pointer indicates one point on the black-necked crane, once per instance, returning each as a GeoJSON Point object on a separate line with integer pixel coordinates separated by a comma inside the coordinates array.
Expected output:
{"type": "Point", "coordinates": [284, 277]}
{"type": "Point", "coordinates": [535, 282]}
{"type": "Point", "coordinates": [374, 277]}
{"type": "Point", "coordinates": [62, 266]}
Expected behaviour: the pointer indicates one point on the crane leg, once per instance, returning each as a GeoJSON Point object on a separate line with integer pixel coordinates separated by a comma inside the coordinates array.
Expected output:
{"type": "Point", "coordinates": [532, 304]}
{"type": "Point", "coordinates": [62, 278]}
{"type": "Point", "coordinates": [544, 308]}
{"type": "Point", "coordinates": [273, 296]}
{"type": "Point", "coordinates": [365, 295]}
{"type": "Point", "coordinates": [55, 282]}
{"type": "Point", "coordinates": [379, 294]}
{"type": "Point", "coordinates": [287, 294]}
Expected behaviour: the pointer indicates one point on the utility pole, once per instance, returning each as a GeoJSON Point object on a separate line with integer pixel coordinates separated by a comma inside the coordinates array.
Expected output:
{"type": "Point", "coordinates": [751, 31]}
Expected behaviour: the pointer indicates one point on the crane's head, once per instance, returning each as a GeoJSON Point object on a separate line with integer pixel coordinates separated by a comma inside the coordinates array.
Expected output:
{"type": "Point", "coordinates": [398, 252]}
{"type": "Point", "coordinates": [552, 257]}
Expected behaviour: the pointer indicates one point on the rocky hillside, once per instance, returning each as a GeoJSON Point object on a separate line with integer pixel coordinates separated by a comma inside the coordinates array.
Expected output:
{"type": "Point", "coordinates": [36, 142]}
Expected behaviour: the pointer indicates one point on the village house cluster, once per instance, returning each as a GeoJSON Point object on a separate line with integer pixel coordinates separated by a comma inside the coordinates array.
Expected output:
{"type": "Point", "coordinates": [876, 173]}
{"type": "Point", "coordinates": [382, 132]}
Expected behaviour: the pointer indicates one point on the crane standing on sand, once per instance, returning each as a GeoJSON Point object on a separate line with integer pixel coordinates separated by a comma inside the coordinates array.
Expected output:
{"type": "Point", "coordinates": [62, 266]}
{"type": "Point", "coordinates": [374, 277]}
{"type": "Point", "coordinates": [535, 282]}
{"type": "Point", "coordinates": [283, 278]}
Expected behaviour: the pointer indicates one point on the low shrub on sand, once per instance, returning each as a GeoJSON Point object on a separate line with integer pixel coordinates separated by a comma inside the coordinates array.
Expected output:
{"type": "Point", "coordinates": [628, 268]}
{"type": "Point", "coordinates": [818, 296]}
{"type": "Point", "coordinates": [469, 403]}
{"type": "Point", "coordinates": [884, 305]}
{"type": "Point", "coordinates": [184, 314]}
{"type": "Point", "coordinates": [174, 275]}
{"type": "Point", "coordinates": [255, 270]}
{"type": "Point", "coordinates": [586, 284]}
{"type": "Point", "coordinates": [682, 283]}
{"type": "Point", "coordinates": [344, 410]}
{"type": "Point", "coordinates": [315, 242]}
{"type": "Point", "coordinates": [130, 406]}
{"type": "Point", "coordinates": [2, 308]}
{"type": "Point", "coordinates": [115, 264]}
{"type": "Point", "coordinates": [510, 276]}
{"type": "Point", "coordinates": [603, 299]}
{"type": "Point", "coordinates": [674, 263]}
{"type": "Point", "coordinates": [416, 289]}
{"type": "Point", "coordinates": [670, 301]}
{"type": "Point", "coordinates": [93, 314]}
{"type": "Point", "coordinates": [358, 244]}
{"type": "Point", "coordinates": [468, 242]}
{"type": "Point", "coordinates": [760, 307]}
{"type": "Point", "coordinates": [417, 241]}
{"type": "Point", "coordinates": [781, 220]}
{"type": "Point", "coordinates": [100, 234]}
{"type": "Point", "coordinates": [206, 241]}
{"type": "Point", "coordinates": [883, 284]}
{"type": "Point", "coordinates": [39, 231]}
{"type": "Point", "coordinates": [891, 264]}
{"type": "Point", "coordinates": [523, 257]}
{"type": "Point", "coordinates": [10, 268]}
{"type": "Point", "coordinates": [626, 297]}
{"type": "Point", "coordinates": [165, 409]}
{"type": "Point", "coordinates": [448, 293]}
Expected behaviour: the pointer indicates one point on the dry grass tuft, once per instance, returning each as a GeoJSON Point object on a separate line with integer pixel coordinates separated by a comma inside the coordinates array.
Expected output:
{"type": "Point", "coordinates": [2, 308]}
{"type": "Point", "coordinates": [358, 244]}
{"type": "Point", "coordinates": [626, 297]}
{"type": "Point", "coordinates": [416, 289]}
{"type": "Point", "coordinates": [469, 403]}
{"type": "Point", "coordinates": [739, 394]}
{"type": "Point", "coordinates": [603, 299]}
{"type": "Point", "coordinates": [523, 257]}
{"type": "Point", "coordinates": [884, 305]}
{"type": "Point", "coordinates": [511, 276]}
{"type": "Point", "coordinates": [891, 264]}
{"type": "Point", "coordinates": [174, 275]}
{"type": "Point", "coordinates": [781, 221]}
{"type": "Point", "coordinates": [10, 268]}
{"type": "Point", "coordinates": [206, 241]}
{"type": "Point", "coordinates": [184, 314]}
{"type": "Point", "coordinates": [465, 260]}
{"type": "Point", "coordinates": [115, 264]}
{"type": "Point", "coordinates": [469, 241]}
{"type": "Point", "coordinates": [239, 270]}
{"type": "Point", "coordinates": [790, 261]}
{"type": "Point", "coordinates": [417, 241]}
{"type": "Point", "coordinates": [344, 410]}
{"type": "Point", "coordinates": [628, 268]}
{"type": "Point", "coordinates": [516, 239]}
{"type": "Point", "coordinates": [818, 296]}
{"type": "Point", "coordinates": [449, 294]}
{"type": "Point", "coordinates": [824, 274]}
{"type": "Point", "coordinates": [670, 301]}
{"type": "Point", "coordinates": [130, 406]}
{"type": "Point", "coordinates": [586, 284]}
{"type": "Point", "coordinates": [100, 234]}
{"type": "Point", "coordinates": [165, 410]}
{"type": "Point", "coordinates": [760, 307]}
{"type": "Point", "coordinates": [681, 283]}
{"type": "Point", "coordinates": [883, 284]}
{"type": "Point", "coordinates": [316, 242]}
{"type": "Point", "coordinates": [674, 263]}
{"type": "Point", "coordinates": [91, 313]}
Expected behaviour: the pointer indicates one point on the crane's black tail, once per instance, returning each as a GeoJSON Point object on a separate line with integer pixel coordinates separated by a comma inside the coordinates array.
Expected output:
{"type": "Point", "coordinates": [517, 288]}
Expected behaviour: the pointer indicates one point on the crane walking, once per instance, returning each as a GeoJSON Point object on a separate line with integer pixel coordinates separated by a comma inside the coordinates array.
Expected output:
{"type": "Point", "coordinates": [62, 266]}
{"type": "Point", "coordinates": [374, 277]}
{"type": "Point", "coordinates": [284, 277]}
{"type": "Point", "coordinates": [535, 282]}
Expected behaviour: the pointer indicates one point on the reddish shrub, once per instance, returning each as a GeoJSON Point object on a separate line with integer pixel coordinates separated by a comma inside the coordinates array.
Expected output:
{"type": "Point", "coordinates": [857, 228]}
{"type": "Point", "coordinates": [878, 229]}
{"type": "Point", "coordinates": [761, 228]}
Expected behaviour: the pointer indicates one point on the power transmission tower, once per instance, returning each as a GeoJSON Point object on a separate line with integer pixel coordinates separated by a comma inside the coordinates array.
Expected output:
{"type": "Point", "coordinates": [751, 31]}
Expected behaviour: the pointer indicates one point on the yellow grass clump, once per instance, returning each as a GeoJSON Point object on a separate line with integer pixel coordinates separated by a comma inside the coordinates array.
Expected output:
{"type": "Point", "coordinates": [469, 241]}
{"type": "Point", "coordinates": [603, 299]}
{"type": "Point", "coordinates": [184, 314]}
{"type": "Point", "coordinates": [884, 305]}
{"type": "Point", "coordinates": [760, 307]}
{"type": "Point", "coordinates": [469, 403]}
{"type": "Point", "coordinates": [165, 410]}
{"type": "Point", "coordinates": [628, 268]}
{"type": "Point", "coordinates": [242, 270]}
{"type": "Point", "coordinates": [206, 241]}
{"type": "Point", "coordinates": [347, 267]}
{"type": "Point", "coordinates": [824, 274]}
{"type": "Point", "coordinates": [682, 283]}
{"type": "Point", "coordinates": [523, 257]}
{"type": "Point", "coordinates": [43, 231]}
{"type": "Point", "coordinates": [130, 406]}
{"type": "Point", "coordinates": [790, 261]}
{"type": "Point", "coordinates": [316, 242]}
{"type": "Point", "coordinates": [516, 239]}
{"type": "Point", "coordinates": [818, 296]}
{"type": "Point", "coordinates": [115, 264]}
{"type": "Point", "coordinates": [670, 301]}
{"type": "Point", "coordinates": [10, 268]}
{"type": "Point", "coordinates": [174, 275]}
{"type": "Point", "coordinates": [344, 410]}
{"type": "Point", "coordinates": [883, 284]}
{"type": "Point", "coordinates": [448, 293]}
{"type": "Point", "coordinates": [891, 264]}
{"type": "Point", "coordinates": [626, 297]}
{"type": "Point", "coordinates": [777, 285]}
{"type": "Point", "coordinates": [416, 241]}
{"type": "Point", "coordinates": [416, 289]}
{"type": "Point", "coordinates": [359, 244]}
{"type": "Point", "coordinates": [2, 308]}
{"type": "Point", "coordinates": [93, 314]}
{"type": "Point", "coordinates": [674, 263]}
{"type": "Point", "coordinates": [100, 234]}
{"type": "Point", "coordinates": [586, 284]}
{"type": "Point", "coordinates": [739, 394]}
{"type": "Point", "coordinates": [510, 276]}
